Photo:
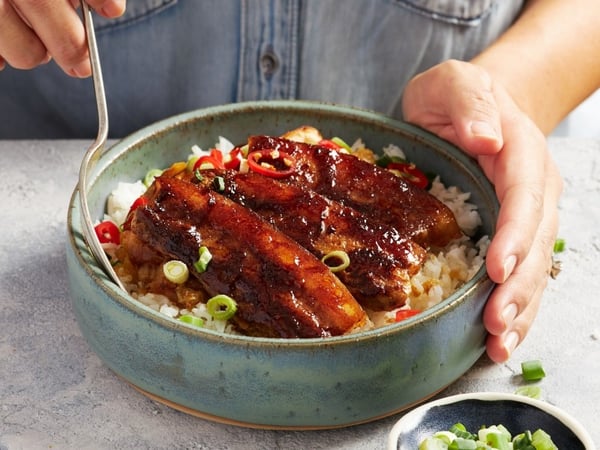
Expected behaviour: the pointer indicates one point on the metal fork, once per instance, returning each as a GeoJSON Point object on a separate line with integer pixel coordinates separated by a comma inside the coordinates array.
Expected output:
{"type": "Point", "coordinates": [94, 152]}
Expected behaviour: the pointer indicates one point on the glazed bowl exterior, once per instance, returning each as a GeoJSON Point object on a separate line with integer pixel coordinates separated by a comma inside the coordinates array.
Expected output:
{"type": "Point", "coordinates": [277, 383]}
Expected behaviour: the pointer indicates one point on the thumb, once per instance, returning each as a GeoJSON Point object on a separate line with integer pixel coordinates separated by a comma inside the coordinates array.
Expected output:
{"type": "Point", "coordinates": [476, 119]}
{"type": "Point", "coordinates": [481, 136]}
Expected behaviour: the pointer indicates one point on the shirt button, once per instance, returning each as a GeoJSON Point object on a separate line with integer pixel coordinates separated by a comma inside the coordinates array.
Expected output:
{"type": "Point", "coordinates": [269, 63]}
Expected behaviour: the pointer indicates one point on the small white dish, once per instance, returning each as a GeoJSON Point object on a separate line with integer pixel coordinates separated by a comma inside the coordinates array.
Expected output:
{"type": "Point", "coordinates": [517, 412]}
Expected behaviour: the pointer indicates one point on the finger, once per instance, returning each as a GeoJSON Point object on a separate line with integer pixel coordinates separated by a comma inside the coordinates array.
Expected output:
{"type": "Point", "coordinates": [474, 113]}
{"type": "Point", "coordinates": [520, 182]}
{"type": "Point", "coordinates": [61, 31]}
{"type": "Point", "coordinates": [500, 347]}
{"type": "Point", "coordinates": [19, 45]}
{"type": "Point", "coordinates": [456, 101]}
{"type": "Point", "coordinates": [511, 309]}
{"type": "Point", "coordinates": [109, 8]}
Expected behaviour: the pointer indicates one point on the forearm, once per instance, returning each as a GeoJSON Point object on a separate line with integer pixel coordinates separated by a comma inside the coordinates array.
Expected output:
{"type": "Point", "coordinates": [549, 59]}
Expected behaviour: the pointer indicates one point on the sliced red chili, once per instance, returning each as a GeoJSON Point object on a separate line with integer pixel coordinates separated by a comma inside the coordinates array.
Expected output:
{"type": "Point", "coordinates": [108, 232]}
{"type": "Point", "coordinates": [217, 154]}
{"type": "Point", "coordinates": [208, 159]}
{"type": "Point", "coordinates": [410, 173]}
{"type": "Point", "coordinates": [403, 314]}
{"type": "Point", "coordinates": [327, 143]}
{"type": "Point", "coordinates": [271, 163]}
{"type": "Point", "coordinates": [233, 159]}
{"type": "Point", "coordinates": [140, 201]}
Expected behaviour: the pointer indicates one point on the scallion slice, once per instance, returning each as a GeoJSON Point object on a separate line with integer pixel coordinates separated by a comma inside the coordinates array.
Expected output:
{"type": "Point", "coordinates": [559, 245]}
{"type": "Point", "coordinates": [219, 184]}
{"type": "Point", "coordinates": [204, 257]}
{"type": "Point", "coordinates": [151, 175]}
{"type": "Point", "coordinates": [542, 441]}
{"type": "Point", "coordinates": [529, 391]}
{"type": "Point", "coordinates": [191, 163]}
{"type": "Point", "coordinates": [192, 320]}
{"type": "Point", "coordinates": [176, 271]}
{"type": "Point", "coordinates": [336, 256]}
{"type": "Point", "coordinates": [532, 370]}
{"type": "Point", "coordinates": [221, 307]}
{"type": "Point", "coordinates": [339, 141]}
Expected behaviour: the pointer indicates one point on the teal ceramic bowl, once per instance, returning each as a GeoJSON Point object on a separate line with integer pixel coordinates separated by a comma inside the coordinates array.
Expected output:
{"type": "Point", "coordinates": [277, 383]}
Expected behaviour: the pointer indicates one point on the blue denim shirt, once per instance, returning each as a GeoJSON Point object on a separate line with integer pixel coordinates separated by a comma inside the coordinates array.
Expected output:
{"type": "Point", "coordinates": [164, 57]}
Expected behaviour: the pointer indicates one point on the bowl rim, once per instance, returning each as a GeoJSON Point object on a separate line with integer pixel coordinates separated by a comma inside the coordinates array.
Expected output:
{"type": "Point", "coordinates": [492, 396]}
{"type": "Point", "coordinates": [138, 137]}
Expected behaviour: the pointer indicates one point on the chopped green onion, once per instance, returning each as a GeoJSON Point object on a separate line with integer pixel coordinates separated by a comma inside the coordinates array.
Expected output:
{"type": "Point", "coordinates": [341, 143]}
{"type": "Point", "coordinates": [522, 441]}
{"type": "Point", "coordinates": [463, 444]}
{"type": "Point", "coordinates": [204, 257]}
{"type": "Point", "coordinates": [192, 320]}
{"type": "Point", "coordinates": [336, 255]}
{"type": "Point", "coordinates": [445, 436]}
{"type": "Point", "coordinates": [542, 441]}
{"type": "Point", "coordinates": [532, 370]}
{"type": "Point", "coordinates": [433, 443]}
{"type": "Point", "coordinates": [221, 307]}
{"type": "Point", "coordinates": [494, 437]}
{"type": "Point", "coordinates": [219, 184]}
{"type": "Point", "coordinates": [151, 175]}
{"type": "Point", "coordinates": [244, 150]}
{"type": "Point", "coordinates": [559, 245]}
{"type": "Point", "coordinates": [461, 431]}
{"type": "Point", "coordinates": [176, 271]}
{"type": "Point", "coordinates": [191, 163]}
{"type": "Point", "coordinates": [198, 175]}
{"type": "Point", "coordinates": [530, 391]}
{"type": "Point", "coordinates": [498, 440]}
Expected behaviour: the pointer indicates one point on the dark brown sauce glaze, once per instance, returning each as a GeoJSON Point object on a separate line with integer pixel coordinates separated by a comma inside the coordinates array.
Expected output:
{"type": "Point", "coordinates": [281, 289]}
{"type": "Point", "coordinates": [372, 190]}
{"type": "Point", "coordinates": [381, 260]}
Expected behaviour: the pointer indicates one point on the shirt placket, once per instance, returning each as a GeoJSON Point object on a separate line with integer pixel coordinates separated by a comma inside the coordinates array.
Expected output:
{"type": "Point", "coordinates": [268, 49]}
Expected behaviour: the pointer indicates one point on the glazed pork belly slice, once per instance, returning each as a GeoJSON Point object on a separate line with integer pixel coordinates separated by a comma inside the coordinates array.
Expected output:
{"type": "Point", "coordinates": [370, 189]}
{"type": "Point", "coordinates": [381, 260]}
{"type": "Point", "coordinates": [281, 289]}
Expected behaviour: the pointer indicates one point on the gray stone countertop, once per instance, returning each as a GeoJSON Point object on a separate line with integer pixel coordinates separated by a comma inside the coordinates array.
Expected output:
{"type": "Point", "coordinates": [55, 393]}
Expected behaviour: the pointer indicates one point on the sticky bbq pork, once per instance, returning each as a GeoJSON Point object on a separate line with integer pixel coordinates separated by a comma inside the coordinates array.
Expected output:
{"type": "Point", "coordinates": [270, 226]}
{"type": "Point", "coordinates": [372, 190]}
{"type": "Point", "coordinates": [382, 261]}
{"type": "Point", "coordinates": [281, 289]}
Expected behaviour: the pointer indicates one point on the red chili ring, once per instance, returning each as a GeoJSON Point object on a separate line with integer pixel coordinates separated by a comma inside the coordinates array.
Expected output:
{"type": "Point", "coordinates": [272, 163]}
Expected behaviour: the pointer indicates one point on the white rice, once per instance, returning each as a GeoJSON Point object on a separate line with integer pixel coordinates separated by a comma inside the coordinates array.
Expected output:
{"type": "Point", "coordinates": [439, 277]}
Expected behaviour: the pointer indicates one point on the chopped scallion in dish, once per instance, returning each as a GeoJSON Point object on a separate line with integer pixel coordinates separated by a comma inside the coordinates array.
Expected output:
{"type": "Point", "coordinates": [494, 437]}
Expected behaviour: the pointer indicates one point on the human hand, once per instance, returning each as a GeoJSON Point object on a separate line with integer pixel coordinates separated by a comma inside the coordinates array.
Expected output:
{"type": "Point", "coordinates": [460, 102]}
{"type": "Point", "coordinates": [33, 33]}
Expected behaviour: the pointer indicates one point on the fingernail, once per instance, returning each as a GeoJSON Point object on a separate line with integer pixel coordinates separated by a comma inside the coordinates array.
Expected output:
{"type": "Point", "coordinates": [483, 129]}
{"type": "Point", "coordinates": [509, 266]}
{"type": "Point", "coordinates": [509, 313]}
{"type": "Point", "coordinates": [511, 340]}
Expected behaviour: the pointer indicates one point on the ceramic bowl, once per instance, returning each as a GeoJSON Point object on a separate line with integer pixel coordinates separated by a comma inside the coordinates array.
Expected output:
{"type": "Point", "coordinates": [277, 383]}
{"type": "Point", "coordinates": [516, 412]}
